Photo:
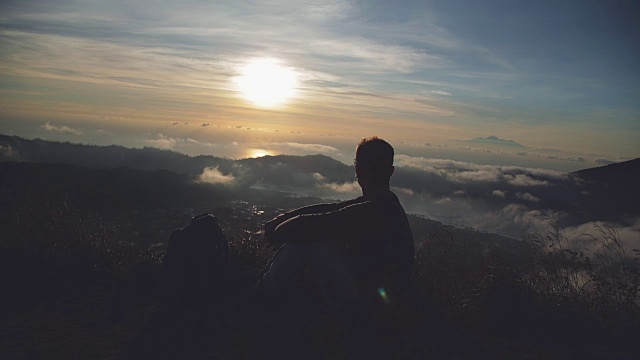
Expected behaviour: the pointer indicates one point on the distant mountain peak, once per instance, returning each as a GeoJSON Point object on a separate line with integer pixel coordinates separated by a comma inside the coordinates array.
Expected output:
{"type": "Point", "coordinates": [492, 139]}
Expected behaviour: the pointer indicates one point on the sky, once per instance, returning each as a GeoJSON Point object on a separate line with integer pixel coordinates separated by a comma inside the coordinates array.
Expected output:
{"type": "Point", "coordinates": [561, 78]}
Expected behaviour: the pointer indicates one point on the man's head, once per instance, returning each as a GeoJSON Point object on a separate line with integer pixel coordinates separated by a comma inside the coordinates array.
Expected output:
{"type": "Point", "coordinates": [374, 161]}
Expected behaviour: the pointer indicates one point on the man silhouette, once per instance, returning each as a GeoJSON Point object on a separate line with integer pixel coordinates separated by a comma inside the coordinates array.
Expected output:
{"type": "Point", "coordinates": [358, 250]}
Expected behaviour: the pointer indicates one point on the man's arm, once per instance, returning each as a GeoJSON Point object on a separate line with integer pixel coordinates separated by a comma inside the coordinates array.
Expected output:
{"type": "Point", "coordinates": [271, 225]}
{"type": "Point", "coordinates": [357, 216]}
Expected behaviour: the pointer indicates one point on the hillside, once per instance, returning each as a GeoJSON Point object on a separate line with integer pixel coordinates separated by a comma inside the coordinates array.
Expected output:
{"type": "Point", "coordinates": [13, 148]}
{"type": "Point", "coordinates": [611, 189]}
{"type": "Point", "coordinates": [329, 168]}
{"type": "Point", "coordinates": [82, 248]}
{"type": "Point", "coordinates": [606, 194]}
{"type": "Point", "coordinates": [129, 199]}
{"type": "Point", "coordinates": [619, 175]}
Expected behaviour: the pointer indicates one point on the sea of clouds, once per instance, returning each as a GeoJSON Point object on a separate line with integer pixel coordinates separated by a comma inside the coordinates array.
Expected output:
{"type": "Point", "coordinates": [510, 200]}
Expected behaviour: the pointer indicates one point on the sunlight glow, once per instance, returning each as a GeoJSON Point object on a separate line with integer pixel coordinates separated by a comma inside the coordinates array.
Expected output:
{"type": "Point", "coordinates": [266, 83]}
{"type": "Point", "coordinates": [254, 153]}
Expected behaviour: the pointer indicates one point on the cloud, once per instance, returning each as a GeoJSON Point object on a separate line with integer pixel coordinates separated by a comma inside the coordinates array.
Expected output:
{"type": "Point", "coordinates": [60, 129]}
{"type": "Point", "coordinates": [604, 162]}
{"type": "Point", "coordinates": [162, 142]}
{"type": "Point", "coordinates": [375, 57]}
{"type": "Point", "coordinates": [7, 153]}
{"type": "Point", "coordinates": [212, 175]}
{"type": "Point", "coordinates": [460, 168]}
{"type": "Point", "coordinates": [524, 180]}
{"type": "Point", "coordinates": [499, 193]}
{"type": "Point", "coordinates": [311, 148]}
{"type": "Point", "coordinates": [594, 234]}
{"type": "Point", "coordinates": [480, 175]}
{"type": "Point", "coordinates": [330, 10]}
{"type": "Point", "coordinates": [295, 148]}
{"type": "Point", "coordinates": [527, 197]}
{"type": "Point", "coordinates": [440, 92]}
{"type": "Point", "coordinates": [403, 191]}
{"type": "Point", "coordinates": [446, 176]}
{"type": "Point", "coordinates": [351, 189]}
{"type": "Point", "coordinates": [509, 200]}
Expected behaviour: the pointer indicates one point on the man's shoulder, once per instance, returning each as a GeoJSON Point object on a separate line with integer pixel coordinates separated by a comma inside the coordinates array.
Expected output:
{"type": "Point", "coordinates": [354, 201]}
{"type": "Point", "coordinates": [371, 210]}
{"type": "Point", "coordinates": [356, 205]}
{"type": "Point", "coordinates": [361, 208]}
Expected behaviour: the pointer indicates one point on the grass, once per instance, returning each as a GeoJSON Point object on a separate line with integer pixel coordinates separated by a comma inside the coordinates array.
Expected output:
{"type": "Point", "coordinates": [567, 292]}
{"type": "Point", "coordinates": [67, 277]}
{"type": "Point", "coordinates": [594, 277]}
{"type": "Point", "coordinates": [70, 290]}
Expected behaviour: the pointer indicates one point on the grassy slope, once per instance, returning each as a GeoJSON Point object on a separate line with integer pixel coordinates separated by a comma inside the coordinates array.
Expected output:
{"type": "Point", "coordinates": [75, 289]}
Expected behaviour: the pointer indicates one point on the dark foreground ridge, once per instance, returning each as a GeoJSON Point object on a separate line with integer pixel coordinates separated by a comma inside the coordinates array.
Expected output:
{"type": "Point", "coordinates": [81, 253]}
{"type": "Point", "coordinates": [84, 296]}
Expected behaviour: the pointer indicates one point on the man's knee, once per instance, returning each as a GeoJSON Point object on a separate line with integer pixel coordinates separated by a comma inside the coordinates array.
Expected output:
{"type": "Point", "coordinates": [286, 267]}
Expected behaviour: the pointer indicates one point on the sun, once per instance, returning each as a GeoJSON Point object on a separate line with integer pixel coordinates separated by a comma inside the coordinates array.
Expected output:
{"type": "Point", "coordinates": [266, 83]}
{"type": "Point", "coordinates": [256, 153]}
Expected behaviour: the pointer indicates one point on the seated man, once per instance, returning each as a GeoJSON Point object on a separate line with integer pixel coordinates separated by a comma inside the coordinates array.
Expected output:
{"type": "Point", "coordinates": [373, 229]}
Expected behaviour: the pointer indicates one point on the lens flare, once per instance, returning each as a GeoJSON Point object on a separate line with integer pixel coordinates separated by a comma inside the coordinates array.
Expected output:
{"type": "Point", "coordinates": [383, 294]}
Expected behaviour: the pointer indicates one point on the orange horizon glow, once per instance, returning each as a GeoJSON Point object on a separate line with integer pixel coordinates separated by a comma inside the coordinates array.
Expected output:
{"type": "Point", "coordinates": [256, 153]}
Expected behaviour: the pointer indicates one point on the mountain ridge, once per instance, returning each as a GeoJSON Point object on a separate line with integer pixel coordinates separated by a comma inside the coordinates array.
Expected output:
{"type": "Point", "coordinates": [494, 140]}
{"type": "Point", "coordinates": [607, 193]}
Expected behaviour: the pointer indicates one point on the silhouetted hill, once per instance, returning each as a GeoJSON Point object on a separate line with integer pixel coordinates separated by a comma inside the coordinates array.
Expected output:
{"type": "Point", "coordinates": [332, 170]}
{"type": "Point", "coordinates": [622, 173]}
{"type": "Point", "coordinates": [144, 206]}
{"type": "Point", "coordinates": [611, 189]}
{"type": "Point", "coordinates": [18, 149]}
{"type": "Point", "coordinates": [104, 190]}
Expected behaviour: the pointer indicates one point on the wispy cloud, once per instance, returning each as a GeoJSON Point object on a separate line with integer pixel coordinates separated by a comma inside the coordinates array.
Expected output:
{"type": "Point", "coordinates": [348, 189]}
{"type": "Point", "coordinates": [440, 92]}
{"type": "Point", "coordinates": [60, 128]}
{"type": "Point", "coordinates": [308, 148]}
{"type": "Point", "coordinates": [162, 142]}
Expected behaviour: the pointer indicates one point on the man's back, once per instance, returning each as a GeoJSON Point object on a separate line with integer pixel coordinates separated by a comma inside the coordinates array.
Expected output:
{"type": "Point", "coordinates": [375, 226]}
{"type": "Point", "coordinates": [381, 257]}
{"type": "Point", "coordinates": [380, 243]}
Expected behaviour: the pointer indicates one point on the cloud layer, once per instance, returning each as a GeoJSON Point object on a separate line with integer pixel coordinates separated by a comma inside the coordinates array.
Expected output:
{"type": "Point", "coordinates": [503, 199]}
